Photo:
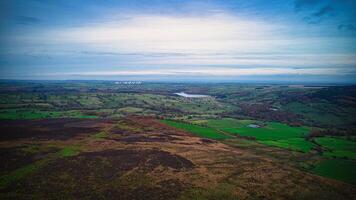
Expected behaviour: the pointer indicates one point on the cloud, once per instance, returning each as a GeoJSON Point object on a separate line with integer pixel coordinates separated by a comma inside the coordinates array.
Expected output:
{"type": "Point", "coordinates": [107, 53]}
{"type": "Point", "coordinates": [26, 20]}
{"type": "Point", "coordinates": [319, 15]}
{"type": "Point", "coordinates": [324, 11]}
{"type": "Point", "coordinates": [169, 40]}
{"type": "Point", "coordinates": [317, 11]}
{"type": "Point", "coordinates": [347, 27]}
{"type": "Point", "coordinates": [210, 71]}
{"type": "Point", "coordinates": [301, 4]}
{"type": "Point", "coordinates": [149, 40]}
{"type": "Point", "coordinates": [170, 34]}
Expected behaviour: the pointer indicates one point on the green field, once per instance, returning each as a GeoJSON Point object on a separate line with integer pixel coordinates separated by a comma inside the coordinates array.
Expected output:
{"type": "Point", "coordinates": [69, 151]}
{"type": "Point", "coordinates": [271, 133]}
{"type": "Point", "coordinates": [197, 130]}
{"type": "Point", "coordinates": [227, 124]}
{"type": "Point", "coordinates": [339, 169]}
{"type": "Point", "coordinates": [38, 114]}
{"type": "Point", "coordinates": [338, 147]}
{"type": "Point", "coordinates": [297, 144]}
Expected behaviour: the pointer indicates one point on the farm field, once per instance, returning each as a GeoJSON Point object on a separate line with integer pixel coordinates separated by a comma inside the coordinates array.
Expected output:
{"type": "Point", "coordinates": [198, 130]}
{"type": "Point", "coordinates": [296, 144]}
{"type": "Point", "coordinates": [269, 133]}
{"type": "Point", "coordinates": [338, 147]}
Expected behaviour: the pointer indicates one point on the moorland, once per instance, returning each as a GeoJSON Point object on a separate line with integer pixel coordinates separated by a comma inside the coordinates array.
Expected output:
{"type": "Point", "coordinates": [118, 140]}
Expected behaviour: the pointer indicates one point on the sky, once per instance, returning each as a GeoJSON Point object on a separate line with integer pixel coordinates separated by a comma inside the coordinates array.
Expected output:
{"type": "Point", "coordinates": [179, 40]}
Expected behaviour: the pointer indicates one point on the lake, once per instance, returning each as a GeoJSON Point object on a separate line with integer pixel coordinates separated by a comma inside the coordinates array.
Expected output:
{"type": "Point", "coordinates": [183, 94]}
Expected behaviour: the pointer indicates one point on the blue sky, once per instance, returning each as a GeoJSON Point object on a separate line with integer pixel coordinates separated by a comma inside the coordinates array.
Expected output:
{"type": "Point", "coordinates": [284, 40]}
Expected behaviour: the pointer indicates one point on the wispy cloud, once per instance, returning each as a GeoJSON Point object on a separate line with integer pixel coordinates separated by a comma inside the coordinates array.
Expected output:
{"type": "Point", "coordinates": [154, 37]}
{"type": "Point", "coordinates": [302, 4]}
{"type": "Point", "coordinates": [326, 10]}
{"type": "Point", "coordinates": [218, 71]}
{"type": "Point", "coordinates": [221, 39]}
{"type": "Point", "coordinates": [320, 14]}
{"type": "Point", "coordinates": [152, 54]}
{"type": "Point", "coordinates": [26, 20]}
{"type": "Point", "coordinates": [169, 34]}
{"type": "Point", "coordinates": [348, 27]}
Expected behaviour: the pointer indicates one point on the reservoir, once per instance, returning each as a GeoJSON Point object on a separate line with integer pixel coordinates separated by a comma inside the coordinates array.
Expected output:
{"type": "Point", "coordinates": [183, 94]}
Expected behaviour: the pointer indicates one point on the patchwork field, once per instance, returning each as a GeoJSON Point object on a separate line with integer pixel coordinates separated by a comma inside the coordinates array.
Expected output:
{"type": "Point", "coordinates": [100, 140]}
{"type": "Point", "coordinates": [270, 133]}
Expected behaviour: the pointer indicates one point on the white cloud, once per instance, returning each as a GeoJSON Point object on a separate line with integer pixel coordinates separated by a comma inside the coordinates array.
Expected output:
{"type": "Point", "coordinates": [162, 40]}
{"type": "Point", "coordinates": [272, 60]}
{"type": "Point", "coordinates": [210, 71]}
{"type": "Point", "coordinates": [154, 33]}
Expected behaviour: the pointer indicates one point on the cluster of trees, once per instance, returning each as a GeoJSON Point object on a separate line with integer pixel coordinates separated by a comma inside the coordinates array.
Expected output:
{"type": "Point", "coordinates": [332, 132]}
{"type": "Point", "coordinates": [343, 96]}
{"type": "Point", "coordinates": [265, 112]}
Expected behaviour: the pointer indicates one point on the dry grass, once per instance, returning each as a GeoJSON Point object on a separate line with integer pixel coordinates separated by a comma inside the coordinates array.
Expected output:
{"type": "Point", "coordinates": [231, 170]}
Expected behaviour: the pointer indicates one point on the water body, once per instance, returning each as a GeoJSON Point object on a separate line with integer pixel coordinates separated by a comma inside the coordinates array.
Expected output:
{"type": "Point", "coordinates": [183, 94]}
{"type": "Point", "coordinates": [253, 126]}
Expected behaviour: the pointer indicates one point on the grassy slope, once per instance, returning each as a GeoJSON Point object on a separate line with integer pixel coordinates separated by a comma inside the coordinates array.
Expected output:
{"type": "Point", "coordinates": [38, 114]}
{"type": "Point", "coordinates": [198, 130]}
{"type": "Point", "coordinates": [34, 106]}
{"type": "Point", "coordinates": [273, 134]}
{"type": "Point", "coordinates": [338, 147]}
{"type": "Point", "coordinates": [339, 169]}
{"type": "Point", "coordinates": [297, 144]}
{"type": "Point", "coordinates": [323, 113]}
{"type": "Point", "coordinates": [272, 131]}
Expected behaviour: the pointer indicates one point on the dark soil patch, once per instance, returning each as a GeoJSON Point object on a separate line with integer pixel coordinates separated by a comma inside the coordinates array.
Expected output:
{"type": "Point", "coordinates": [154, 124]}
{"type": "Point", "coordinates": [147, 138]}
{"type": "Point", "coordinates": [168, 189]}
{"type": "Point", "coordinates": [145, 129]}
{"type": "Point", "coordinates": [46, 129]}
{"type": "Point", "coordinates": [97, 175]}
{"type": "Point", "coordinates": [142, 138]}
{"type": "Point", "coordinates": [143, 159]}
{"type": "Point", "coordinates": [16, 157]}
{"type": "Point", "coordinates": [207, 141]}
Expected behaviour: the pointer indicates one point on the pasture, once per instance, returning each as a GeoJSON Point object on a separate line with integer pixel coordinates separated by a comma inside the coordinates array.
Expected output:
{"type": "Point", "coordinates": [205, 132]}
{"type": "Point", "coordinates": [269, 133]}
{"type": "Point", "coordinates": [339, 169]}
{"type": "Point", "coordinates": [338, 147]}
